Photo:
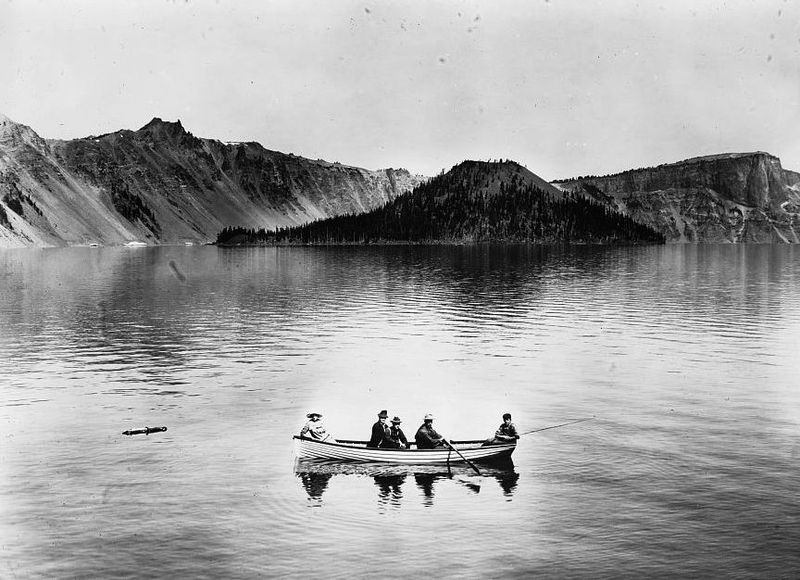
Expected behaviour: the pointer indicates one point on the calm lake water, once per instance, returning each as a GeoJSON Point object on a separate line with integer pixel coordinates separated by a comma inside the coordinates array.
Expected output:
{"type": "Point", "coordinates": [687, 357]}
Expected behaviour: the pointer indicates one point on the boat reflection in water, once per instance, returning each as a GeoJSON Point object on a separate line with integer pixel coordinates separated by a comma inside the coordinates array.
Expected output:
{"type": "Point", "coordinates": [315, 476]}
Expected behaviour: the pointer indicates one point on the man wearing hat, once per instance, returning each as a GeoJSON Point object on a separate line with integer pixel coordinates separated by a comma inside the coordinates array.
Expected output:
{"type": "Point", "coordinates": [397, 438]}
{"type": "Point", "coordinates": [427, 437]}
{"type": "Point", "coordinates": [314, 429]}
{"type": "Point", "coordinates": [380, 431]}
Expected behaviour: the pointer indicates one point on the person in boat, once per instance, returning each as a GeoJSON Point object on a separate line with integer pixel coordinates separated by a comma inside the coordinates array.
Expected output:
{"type": "Point", "coordinates": [380, 432]}
{"type": "Point", "coordinates": [314, 429]}
{"type": "Point", "coordinates": [427, 437]}
{"type": "Point", "coordinates": [397, 438]}
{"type": "Point", "coordinates": [506, 433]}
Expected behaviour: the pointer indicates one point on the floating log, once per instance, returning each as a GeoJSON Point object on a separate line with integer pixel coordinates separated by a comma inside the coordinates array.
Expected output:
{"type": "Point", "coordinates": [145, 431]}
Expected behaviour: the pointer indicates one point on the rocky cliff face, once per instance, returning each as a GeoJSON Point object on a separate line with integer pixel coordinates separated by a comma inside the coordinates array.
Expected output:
{"type": "Point", "coordinates": [738, 197]}
{"type": "Point", "coordinates": [161, 184]}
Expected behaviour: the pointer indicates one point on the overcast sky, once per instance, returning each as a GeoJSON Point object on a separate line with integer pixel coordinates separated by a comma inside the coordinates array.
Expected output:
{"type": "Point", "coordinates": [563, 87]}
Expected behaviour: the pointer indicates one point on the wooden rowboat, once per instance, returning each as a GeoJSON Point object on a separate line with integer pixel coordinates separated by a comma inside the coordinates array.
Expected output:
{"type": "Point", "coordinates": [357, 451]}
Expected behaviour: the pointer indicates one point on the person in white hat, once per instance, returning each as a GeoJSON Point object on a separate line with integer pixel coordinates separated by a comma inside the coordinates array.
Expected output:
{"type": "Point", "coordinates": [427, 437]}
{"type": "Point", "coordinates": [314, 429]}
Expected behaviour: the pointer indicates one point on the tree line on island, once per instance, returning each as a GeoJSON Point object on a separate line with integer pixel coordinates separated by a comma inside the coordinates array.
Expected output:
{"type": "Point", "coordinates": [474, 202]}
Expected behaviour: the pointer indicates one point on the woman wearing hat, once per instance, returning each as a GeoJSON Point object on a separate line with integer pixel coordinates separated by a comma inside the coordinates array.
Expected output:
{"type": "Point", "coordinates": [314, 429]}
{"type": "Point", "coordinates": [397, 438]}
{"type": "Point", "coordinates": [427, 437]}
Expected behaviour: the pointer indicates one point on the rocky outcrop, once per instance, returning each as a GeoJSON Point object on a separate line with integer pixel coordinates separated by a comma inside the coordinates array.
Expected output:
{"type": "Point", "coordinates": [738, 197]}
{"type": "Point", "coordinates": [476, 201]}
{"type": "Point", "coordinates": [161, 184]}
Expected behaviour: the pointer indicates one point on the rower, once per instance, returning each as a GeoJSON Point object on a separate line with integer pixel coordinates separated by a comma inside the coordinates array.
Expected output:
{"type": "Point", "coordinates": [426, 436]}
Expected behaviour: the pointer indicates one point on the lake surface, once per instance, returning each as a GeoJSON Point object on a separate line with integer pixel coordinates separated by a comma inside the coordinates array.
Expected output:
{"type": "Point", "coordinates": [687, 357]}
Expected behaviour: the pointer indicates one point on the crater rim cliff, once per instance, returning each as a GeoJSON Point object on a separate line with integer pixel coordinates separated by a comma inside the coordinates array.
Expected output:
{"type": "Point", "coordinates": [162, 185]}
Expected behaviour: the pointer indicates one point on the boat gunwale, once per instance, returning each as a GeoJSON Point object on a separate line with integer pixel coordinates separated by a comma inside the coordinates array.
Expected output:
{"type": "Point", "coordinates": [350, 444]}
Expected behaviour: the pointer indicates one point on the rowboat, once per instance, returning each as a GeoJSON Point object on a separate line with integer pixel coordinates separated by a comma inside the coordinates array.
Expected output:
{"type": "Point", "coordinates": [357, 451]}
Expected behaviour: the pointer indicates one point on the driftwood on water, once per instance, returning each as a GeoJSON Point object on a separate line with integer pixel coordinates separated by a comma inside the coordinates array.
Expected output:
{"type": "Point", "coordinates": [145, 431]}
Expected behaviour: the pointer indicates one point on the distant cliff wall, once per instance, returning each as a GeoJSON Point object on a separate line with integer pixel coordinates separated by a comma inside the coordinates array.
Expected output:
{"type": "Point", "coordinates": [739, 197]}
{"type": "Point", "coordinates": [161, 184]}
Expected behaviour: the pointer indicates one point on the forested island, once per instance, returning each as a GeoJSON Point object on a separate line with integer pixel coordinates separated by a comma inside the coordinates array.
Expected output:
{"type": "Point", "coordinates": [473, 202]}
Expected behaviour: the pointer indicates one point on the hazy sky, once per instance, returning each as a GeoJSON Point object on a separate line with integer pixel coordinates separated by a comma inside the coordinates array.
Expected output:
{"type": "Point", "coordinates": [563, 87]}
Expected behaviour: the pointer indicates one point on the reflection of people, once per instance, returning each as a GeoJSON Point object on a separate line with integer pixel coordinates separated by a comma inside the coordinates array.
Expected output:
{"type": "Point", "coordinates": [508, 481]}
{"type": "Point", "coordinates": [380, 431]}
{"type": "Point", "coordinates": [397, 438]}
{"type": "Point", "coordinates": [507, 432]}
{"type": "Point", "coordinates": [425, 483]}
{"type": "Point", "coordinates": [427, 437]}
{"type": "Point", "coordinates": [389, 487]}
{"type": "Point", "coordinates": [315, 483]}
{"type": "Point", "coordinates": [314, 429]}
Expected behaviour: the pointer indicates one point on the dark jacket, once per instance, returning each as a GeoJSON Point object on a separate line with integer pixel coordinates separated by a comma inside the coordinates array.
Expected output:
{"type": "Point", "coordinates": [380, 434]}
{"type": "Point", "coordinates": [397, 438]}
{"type": "Point", "coordinates": [427, 437]}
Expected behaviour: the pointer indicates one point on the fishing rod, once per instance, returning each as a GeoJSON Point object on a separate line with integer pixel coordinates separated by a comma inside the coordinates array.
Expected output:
{"type": "Point", "coordinates": [560, 425]}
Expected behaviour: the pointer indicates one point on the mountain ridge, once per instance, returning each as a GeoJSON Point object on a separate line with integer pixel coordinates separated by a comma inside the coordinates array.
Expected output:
{"type": "Point", "coordinates": [162, 184]}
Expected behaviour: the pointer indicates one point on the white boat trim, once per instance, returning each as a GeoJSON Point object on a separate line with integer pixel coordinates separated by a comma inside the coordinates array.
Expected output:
{"type": "Point", "coordinates": [358, 452]}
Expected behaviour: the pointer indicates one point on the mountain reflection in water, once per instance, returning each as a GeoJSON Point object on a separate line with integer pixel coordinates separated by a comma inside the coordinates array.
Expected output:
{"type": "Point", "coordinates": [315, 477]}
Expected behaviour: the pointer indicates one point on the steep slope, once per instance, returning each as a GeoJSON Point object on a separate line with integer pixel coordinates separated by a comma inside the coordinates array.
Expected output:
{"type": "Point", "coordinates": [474, 201]}
{"type": "Point", "coordinates": [737, 197]}
{"type": "Point", "coordinates": [161, 184]}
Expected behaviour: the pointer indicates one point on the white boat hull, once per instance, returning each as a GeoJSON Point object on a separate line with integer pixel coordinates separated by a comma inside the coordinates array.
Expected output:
{"type": "Point", "coordinates": [354, 452]}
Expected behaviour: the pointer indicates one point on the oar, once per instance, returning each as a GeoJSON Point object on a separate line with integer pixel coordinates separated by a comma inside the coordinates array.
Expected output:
{"type": "Point", "coordinates": [561, 425]}
{"type": "Point", "coordinates": [472, 465]}
{"type": "Point", "coordinates": [473, 487]}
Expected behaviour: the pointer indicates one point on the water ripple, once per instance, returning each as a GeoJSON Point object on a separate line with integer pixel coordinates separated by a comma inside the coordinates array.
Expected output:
{"type": "Point", "coordinates": [686, 355]}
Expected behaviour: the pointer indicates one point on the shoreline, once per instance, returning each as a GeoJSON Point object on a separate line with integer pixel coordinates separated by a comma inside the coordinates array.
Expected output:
{"type": "Point", "coordinates": [432, 243]}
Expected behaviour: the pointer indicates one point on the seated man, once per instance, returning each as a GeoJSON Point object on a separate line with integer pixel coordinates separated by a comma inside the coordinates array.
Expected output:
{"type": "Point", "coordinates": [380, 431]}
{"type": "Point", "coordinates": [506, 433]}
{"type": "Point", "coordinates": [314, 429]}
{"type": "Point", "coordinates": [427, 437]}
{"type": "Point", "coordinates": [397, 438]}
